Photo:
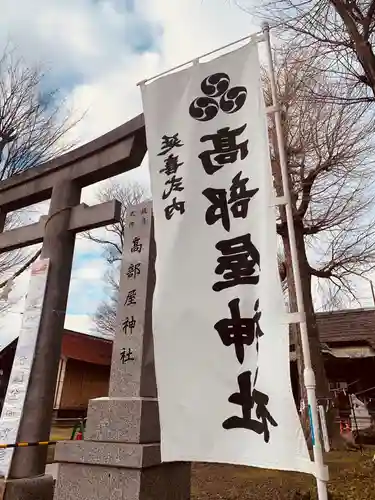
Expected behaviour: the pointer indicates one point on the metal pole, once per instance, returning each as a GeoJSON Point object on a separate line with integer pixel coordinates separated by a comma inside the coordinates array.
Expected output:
{"type": "Point", "coordinates": [372, 292]}
{"type": "Point", "coordinates": [309, 376]}
{"type": "Point", "coordinates": [258, 37]}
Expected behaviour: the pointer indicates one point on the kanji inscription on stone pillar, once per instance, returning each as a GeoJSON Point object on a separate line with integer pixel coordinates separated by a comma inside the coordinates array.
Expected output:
{"type": "Point", "coordinates": [126, 371]}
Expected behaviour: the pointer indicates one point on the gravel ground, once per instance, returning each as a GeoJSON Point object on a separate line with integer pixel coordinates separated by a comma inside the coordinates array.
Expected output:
{"type": "Point", "coordinates": [352, 478]}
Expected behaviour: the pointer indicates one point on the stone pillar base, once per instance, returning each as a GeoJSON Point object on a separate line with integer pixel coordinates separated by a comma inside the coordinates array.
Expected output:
{"type": "Point", "coordinates": [169, 481]}
{"type": "Point", "coordinates": [123, 420]}
{"type": "Point", "coordinates": [34, 488]}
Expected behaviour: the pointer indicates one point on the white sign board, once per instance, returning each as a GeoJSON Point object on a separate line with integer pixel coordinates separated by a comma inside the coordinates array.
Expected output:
{"type": "Point", "coordinates": [323, 426]}
{"type": "Point", "coordinates": [359, 414]}
{"type": "Point", "coordinates": [220, 326]}
{"type": "Point", "coordinates": [19, 378]}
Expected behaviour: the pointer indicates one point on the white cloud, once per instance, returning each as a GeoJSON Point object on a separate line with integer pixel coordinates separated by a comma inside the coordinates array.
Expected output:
{"type": "Point", "coordinates": [84, 245]}
{"type": "Point", "coordinates": [78, 35]}
{"type": "Point", "coordinates": [111, 98]}
{"type": "Point", "coordinates": [79, 323]}
{"type": "Point", "coordinates": [190, 28]}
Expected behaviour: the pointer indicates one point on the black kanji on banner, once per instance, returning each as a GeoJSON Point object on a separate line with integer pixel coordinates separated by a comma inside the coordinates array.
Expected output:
{"type": "Point", "coordinates": [248, 399]}
{"type": "Point", "coordinates": [237, 201]}
{"type": "Point", "coordinates": [239, 263]}
{"type": "Point", "coordinates": [225, 149]}
{"type": "Point", "coordinates": [173, 184]}
{"type": "Point", "coordinates": [239, 331]}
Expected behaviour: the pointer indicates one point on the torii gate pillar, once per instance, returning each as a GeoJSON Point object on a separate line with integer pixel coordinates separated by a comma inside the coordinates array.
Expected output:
{"type": "Point", "coordinates": [61, 180]}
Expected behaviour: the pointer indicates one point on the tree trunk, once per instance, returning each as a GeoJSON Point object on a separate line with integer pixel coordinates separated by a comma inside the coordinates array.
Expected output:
{"type": "Point", "coordinates": [322, 386]}
{"type": "Point", "coordinates": [361, 45]}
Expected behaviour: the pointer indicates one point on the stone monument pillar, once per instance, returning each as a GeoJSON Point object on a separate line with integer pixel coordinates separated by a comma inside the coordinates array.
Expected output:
{"type": "Point", "coordinates": [120, 456]}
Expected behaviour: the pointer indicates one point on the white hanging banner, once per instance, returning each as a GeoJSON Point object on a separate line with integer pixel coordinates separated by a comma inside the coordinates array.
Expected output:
{"type": "Point", "coordinates": [220, 326]}
{"type": "Point", "coordinates": [20, 374]}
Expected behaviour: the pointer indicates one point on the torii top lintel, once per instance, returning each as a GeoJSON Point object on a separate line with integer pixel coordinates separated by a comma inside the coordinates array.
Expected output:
{"type": "Point", "coordinates": [118, 151]}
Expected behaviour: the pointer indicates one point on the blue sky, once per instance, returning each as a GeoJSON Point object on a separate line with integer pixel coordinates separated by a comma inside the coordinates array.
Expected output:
{"type": "Point", "coordinates": [96, 51]}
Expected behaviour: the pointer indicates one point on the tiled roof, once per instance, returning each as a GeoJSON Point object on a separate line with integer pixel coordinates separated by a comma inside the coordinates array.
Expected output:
{"type": "Point", "coordinates": [350, 325]}
{"type": "Point", "coordinates": [79, 346]}
{"type": "Point", "coordinates": [86, 348]}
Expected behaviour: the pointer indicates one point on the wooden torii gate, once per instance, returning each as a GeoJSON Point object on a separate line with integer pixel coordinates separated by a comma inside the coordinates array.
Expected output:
{"type": "Point", "coordinates": [61, 180]}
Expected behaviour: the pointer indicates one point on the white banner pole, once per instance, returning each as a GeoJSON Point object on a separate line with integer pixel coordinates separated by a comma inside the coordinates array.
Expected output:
{"type": "Point", "coordinates": [309, 376]}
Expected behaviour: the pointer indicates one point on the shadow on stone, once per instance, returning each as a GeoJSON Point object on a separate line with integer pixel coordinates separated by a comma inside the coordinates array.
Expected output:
{"type": "Point", "coordinates": [35, 488]}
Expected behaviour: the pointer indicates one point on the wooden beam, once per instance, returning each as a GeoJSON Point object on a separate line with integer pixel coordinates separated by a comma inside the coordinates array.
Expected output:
{"type": "Point", "coordinates": [82, 218]}
{"type": "Point", "coordinates": [116, 152]}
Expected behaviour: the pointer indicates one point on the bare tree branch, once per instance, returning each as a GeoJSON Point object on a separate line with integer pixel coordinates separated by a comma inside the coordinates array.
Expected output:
{"type": "Point", "coordinates": [130, 194]}
{"type": "Point", "coordinates": [342, 32]}
{"type": "Point", "coordinates": [34, 123]}
{"type": "Point", "coordinates": [330, 153]}
{"type": "Point", "coordinates": [23, 268]}
{"type": "Point", "coordinates": [33, 120]}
